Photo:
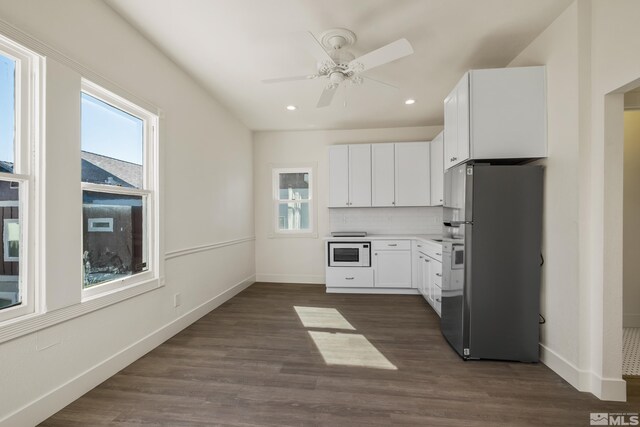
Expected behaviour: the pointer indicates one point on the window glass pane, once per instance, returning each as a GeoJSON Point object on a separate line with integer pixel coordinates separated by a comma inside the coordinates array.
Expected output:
{"type": "Point", "coordinates": [293, 186]}
{"type": "Point", "coordinates": [293, 216]}
{"type": "Point", "coordinates": [7, 112]}
{"type": "Point", "coordinates": [114, 236]}
{"type": "Point", "coordinates": [10, 293]}
{"type": "Point", "coordinates": [112, 145]}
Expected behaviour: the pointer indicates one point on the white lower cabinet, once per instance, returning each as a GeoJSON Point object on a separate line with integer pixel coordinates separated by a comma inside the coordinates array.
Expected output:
{"type": "Point", "coordinates": [392, 263]}
{"type": "Point", "coordinates": [427, 272]}
{"type": "Point", "coordinates": [397, 266]}
{"type": "Point", "coordinates": [435, 285]}
{"type": "Point", "coordinates": [349, 277]}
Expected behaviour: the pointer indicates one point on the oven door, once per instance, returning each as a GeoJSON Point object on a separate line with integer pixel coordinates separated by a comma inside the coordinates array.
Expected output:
{"type": "Point", "coordinates": [349, 254]}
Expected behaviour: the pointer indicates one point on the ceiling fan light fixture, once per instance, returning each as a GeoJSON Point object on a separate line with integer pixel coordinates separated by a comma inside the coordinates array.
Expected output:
{"type": "Point", "coordinates": [292, 107]}
{"type": "Point", "coordinates": [410, 101]}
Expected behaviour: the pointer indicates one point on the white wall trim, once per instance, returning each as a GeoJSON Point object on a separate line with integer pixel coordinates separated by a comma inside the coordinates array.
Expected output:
{"type": "Point", "coordinates": [291, 278]}
{"type": "Point", "coordinates": [586, 381]}
{"type": "Point", "coordinates": [203, 248]}
{"type": "Point", "coordinates": [631, 321]}
{"type": "Point", "coordinates": [51, 402]}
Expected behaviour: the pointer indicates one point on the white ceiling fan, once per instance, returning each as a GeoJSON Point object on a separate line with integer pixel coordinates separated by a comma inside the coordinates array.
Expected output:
{"type": "Point", "coordinates": [339, 65]}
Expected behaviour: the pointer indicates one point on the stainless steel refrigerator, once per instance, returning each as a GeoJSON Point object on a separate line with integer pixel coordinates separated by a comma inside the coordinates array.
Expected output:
{"type": "Point", "coordinates": [491, 261]}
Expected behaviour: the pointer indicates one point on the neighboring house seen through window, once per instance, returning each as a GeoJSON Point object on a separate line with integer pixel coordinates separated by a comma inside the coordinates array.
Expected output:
{"type": "Point", "coordinates": [292, 196]}
{"type": "Point", "coordinates": [19, 74]}
{"type": "Point", "coordinates": [117, 207]}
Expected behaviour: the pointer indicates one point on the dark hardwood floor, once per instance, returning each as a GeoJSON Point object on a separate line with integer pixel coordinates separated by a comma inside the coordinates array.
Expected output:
{"type": "Point", "coordinates": [252, 362]}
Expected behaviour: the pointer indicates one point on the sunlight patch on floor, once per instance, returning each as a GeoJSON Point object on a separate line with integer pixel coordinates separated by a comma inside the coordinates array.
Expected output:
{"type": "Point", "coordinates": [349, 350]}
{"type": "Point", "coordinates": [320, 317]}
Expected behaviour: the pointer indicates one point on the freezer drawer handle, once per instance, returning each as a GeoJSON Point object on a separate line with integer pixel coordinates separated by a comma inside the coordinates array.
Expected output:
{"type": "Point", "coordinates": [349, 278]}
{"type": "Point", "coordinates": [393, 244]}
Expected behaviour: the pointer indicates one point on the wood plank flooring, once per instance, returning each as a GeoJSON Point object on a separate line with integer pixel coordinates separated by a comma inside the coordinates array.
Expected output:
{"type": "Point", "coordinates": [252, 362]}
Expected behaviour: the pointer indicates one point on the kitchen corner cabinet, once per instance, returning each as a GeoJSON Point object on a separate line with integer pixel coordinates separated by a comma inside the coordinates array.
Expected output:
{"type": "Point", "coordinates": [496, 114]}
{"type": "Point", "coordinates": [437, 169]}
{"type": "Point", "coordinates": [350, 176]}
{"type": "Point", "coordinates": [400, 174]}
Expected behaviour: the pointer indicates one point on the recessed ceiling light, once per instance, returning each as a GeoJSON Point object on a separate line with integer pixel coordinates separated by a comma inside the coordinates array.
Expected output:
{"type": "Point", "coordinates": [410, 101]}
{"type": "Point", "coordinates": [292, 107]}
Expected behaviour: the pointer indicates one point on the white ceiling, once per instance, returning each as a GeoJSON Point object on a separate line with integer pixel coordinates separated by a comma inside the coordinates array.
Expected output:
{"type": "Point", "coordinates": [231, 45]}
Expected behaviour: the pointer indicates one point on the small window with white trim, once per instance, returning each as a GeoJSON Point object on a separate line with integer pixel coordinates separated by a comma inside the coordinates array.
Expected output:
{"type": "Point", "coordinates": [293, 200]}
{"type": "Point", "coordinates": [119, 185]}
{"type": "Point", "coordinates": [19, 120]}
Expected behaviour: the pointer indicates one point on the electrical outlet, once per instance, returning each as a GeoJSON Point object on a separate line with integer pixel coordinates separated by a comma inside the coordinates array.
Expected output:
{"type": "Point", "coordinates": [177, 300]}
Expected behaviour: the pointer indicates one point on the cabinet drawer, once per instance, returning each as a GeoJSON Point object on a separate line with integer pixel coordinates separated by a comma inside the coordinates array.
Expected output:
{"type": "Point", "coordinates": [349, 277]}
{"type": "Point", "coordinates": [391, 245]}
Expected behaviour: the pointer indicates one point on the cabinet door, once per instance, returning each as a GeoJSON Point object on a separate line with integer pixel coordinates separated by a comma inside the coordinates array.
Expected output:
{"type": "Point", "coordinates": [437, 170]}
{"type": "Point", "coordinates": [426, 276]}
{"type": "Point", "coordinates": [412, 176]}
{"type": "Point", "coordinates": [392, 269]}
{"type": "Point", "coordinates": [360, 175]}
{"type": "Point", "coordinates": [462, 99]}
{"type": "Point", "coordinates": [451, 129]}
{"type": "Point", "coordinates": [339, 176]}
{"type": "Point", "coordinates": [435, 284]}
{"type": "Point", "coordinates": [382, 175]}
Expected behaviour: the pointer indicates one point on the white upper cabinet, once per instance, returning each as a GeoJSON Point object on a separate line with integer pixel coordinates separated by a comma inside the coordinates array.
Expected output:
{"type": "Point", "coordinates": [412, 176]}
{"type": "Point", "coordinates": [437, 169]}
{"type": "Point", "coordinates": [383, 175]}
{"type": "Point", "coordinates": [496, 114]}
{"type": "Point", "coordinates": [360, 175]}
{"type": "Point", "coordinates": [350, 176]}
{"type": "Point", "coordinates": [339, 176]}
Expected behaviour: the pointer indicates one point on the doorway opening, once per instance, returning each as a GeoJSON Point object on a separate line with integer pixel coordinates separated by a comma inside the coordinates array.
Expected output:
{"type": "Point", "coordinates": [631, 237]}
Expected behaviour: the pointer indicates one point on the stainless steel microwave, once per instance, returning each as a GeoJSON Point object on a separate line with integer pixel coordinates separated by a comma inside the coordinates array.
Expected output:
{"type": "Point", "coordinates": [349, 254]}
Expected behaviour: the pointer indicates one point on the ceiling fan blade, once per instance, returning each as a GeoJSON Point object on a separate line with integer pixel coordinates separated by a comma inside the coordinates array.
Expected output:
{"type": "Point", "coordinates": [316, 49]}
{"type": "Point", "coordinates": [290, 79]}
{"type": "Point", "coordinates": [327, 96]}
{"type": "Point", "coordinates": [391, 52]}
{"type": "Point", "coordinates": [380, 82]}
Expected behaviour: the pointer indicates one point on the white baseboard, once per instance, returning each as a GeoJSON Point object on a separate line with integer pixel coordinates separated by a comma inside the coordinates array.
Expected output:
{"type": "Point", "coordinates": [50, 403]}
{"type": "Point", "coordinates": [335, 290]}
{"type": "Point", "coordinates": [631, 320]}
{"type": "Point", "coordinates": [290, 278]}
{"type": "Point", "coordinates": [586, 381]}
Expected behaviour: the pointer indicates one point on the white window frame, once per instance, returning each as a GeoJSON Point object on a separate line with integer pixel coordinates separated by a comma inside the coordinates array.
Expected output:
{"type": "Point", "coordinates": [5, 240]}
{"type": "Point", "coordinates": [28, 116]}
{"type": "Point", "coordinates": [276, 201]}
{"type": "Point", "coordinates": [149, 192]}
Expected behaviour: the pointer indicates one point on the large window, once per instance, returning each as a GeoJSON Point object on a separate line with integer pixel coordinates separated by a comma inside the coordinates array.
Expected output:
{"type": "Point", "coordinates": [118, 191]}
{"type": "Point", "coordinates": [293, 200]}
{"type": "Point", "coordinates": [19, 74]}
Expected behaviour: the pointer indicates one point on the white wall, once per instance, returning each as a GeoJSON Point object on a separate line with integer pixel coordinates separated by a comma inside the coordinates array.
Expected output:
{"type": "Point", "coordinates": [301, 260]}
{"type": "Point", "coordinates": [592, 49]}
{"type": "Point", "coordinates": [208, 198]}
{"type": "Point", "coordinates": [631, 237]}
{"type": "Point", "coordinates": [557, 48]}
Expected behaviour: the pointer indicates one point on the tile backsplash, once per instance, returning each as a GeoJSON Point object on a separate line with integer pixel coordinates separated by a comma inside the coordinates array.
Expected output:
{"type": "Point", "coordinates": [424, 220]}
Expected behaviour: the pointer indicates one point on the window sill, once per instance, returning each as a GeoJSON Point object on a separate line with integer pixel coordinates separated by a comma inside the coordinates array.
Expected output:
{"type": "Point", "coordinates": [31, 323]}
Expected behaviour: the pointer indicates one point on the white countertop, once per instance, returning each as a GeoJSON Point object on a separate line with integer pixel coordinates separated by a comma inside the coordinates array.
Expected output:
{"type": "Point", "coordinates": [422, 237]}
